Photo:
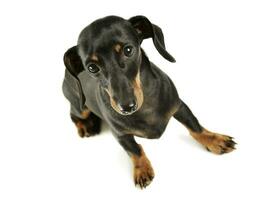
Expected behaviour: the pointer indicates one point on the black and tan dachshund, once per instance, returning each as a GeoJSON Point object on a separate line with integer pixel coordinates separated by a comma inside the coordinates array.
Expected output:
{"type": "Point", "coordinates": [109, 77]}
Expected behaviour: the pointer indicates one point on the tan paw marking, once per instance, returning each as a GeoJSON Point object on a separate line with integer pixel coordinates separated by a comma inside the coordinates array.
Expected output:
{"type": "Point", "coordinates": [143, 171]}
{"type": "Point", "coordinates": [214, 142]}
{"type": "Point", "coordinates": [83, 130]}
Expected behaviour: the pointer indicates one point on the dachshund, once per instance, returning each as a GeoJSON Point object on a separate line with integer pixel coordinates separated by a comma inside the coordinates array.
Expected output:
{"type": "Point", "coordinates": [109, 77]}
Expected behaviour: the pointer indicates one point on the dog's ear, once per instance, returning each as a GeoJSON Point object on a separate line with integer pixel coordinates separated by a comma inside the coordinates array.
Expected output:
{"type": "Point", "coordinates": [146, 29]}
{"type": "Point", "coordinates": [73, 66]}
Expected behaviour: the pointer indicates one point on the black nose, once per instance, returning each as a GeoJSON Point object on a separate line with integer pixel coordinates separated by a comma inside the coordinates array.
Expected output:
{"type": "Point", "coordinates": [128, 108]}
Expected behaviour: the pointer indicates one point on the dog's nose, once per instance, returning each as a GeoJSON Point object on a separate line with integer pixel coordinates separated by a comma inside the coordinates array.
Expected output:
{"type": "Point", "coordinates": [128, 108]}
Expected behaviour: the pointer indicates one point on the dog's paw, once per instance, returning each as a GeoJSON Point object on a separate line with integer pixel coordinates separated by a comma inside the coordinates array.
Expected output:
{"type": "Point", "coordinates": [85, 130]}
{"type": "Point", "coordinates": [221, 144]}
{"type": "Point", "coordinates": [214, 142]}
{"type": "Point", "coordinates": [143, 176]}
{"type": "Point", "coordinates": [143, 171]}
{"type": "Point", "coordinates": [87, 126]}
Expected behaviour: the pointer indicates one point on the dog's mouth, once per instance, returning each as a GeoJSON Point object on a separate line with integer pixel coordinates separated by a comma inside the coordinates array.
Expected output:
{"type": "Point", "coordinates": [134, 106]}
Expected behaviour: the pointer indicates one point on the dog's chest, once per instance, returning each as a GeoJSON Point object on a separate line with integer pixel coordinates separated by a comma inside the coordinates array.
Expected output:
{"type": "Point", "coordinates": [149, 124]}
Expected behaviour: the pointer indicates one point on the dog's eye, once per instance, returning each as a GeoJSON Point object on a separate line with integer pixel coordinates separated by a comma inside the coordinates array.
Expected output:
{"type": "Point", "coordinates": [128, 50]}
{"type": "Point", "coordinates": [93, 68]}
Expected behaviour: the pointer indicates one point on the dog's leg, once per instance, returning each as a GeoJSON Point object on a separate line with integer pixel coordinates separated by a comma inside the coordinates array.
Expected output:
{"type": "Point", "coordinates": [87, 123]}
{"type": "Point", "coordinates": [143, 171]}
{"type": "Point", "coordinates": [213, 142]}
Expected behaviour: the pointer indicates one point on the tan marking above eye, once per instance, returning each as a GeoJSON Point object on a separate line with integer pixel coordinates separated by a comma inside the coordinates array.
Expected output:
{"type": "Point", "coordinates": [117, 48]}
{"type": "Point", "coordinates": [94, 58]}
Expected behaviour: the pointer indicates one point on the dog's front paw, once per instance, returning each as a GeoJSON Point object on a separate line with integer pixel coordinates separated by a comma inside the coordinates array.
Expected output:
{"type": "Point", "coordinates": [143, 176]}
{"type": "Point", "coordinates": [143, 171]}
{"type": "Point", "coordinates": [221, 144]}
{"type": "Point", "coordinates": [214, 142]}
{"type": "Point", "coordinates": [85, 129]}
{"type": "Point", "coordinates": [87, 126]}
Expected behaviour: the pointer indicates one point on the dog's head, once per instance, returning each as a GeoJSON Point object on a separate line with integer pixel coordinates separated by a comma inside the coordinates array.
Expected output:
{"type": "Point", "coordinates": [109, 50]}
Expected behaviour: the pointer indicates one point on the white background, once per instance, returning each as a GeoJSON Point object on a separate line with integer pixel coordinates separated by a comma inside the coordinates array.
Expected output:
{"type": "Point", "coordinates": [223, 72]}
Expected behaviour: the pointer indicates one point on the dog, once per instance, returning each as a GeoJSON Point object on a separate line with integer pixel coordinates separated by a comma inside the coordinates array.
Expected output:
{"type": "Point", "coordinates": [109, 77]}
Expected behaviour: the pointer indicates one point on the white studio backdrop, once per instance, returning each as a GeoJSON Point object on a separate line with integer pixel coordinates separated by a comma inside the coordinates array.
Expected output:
{"type": "Point", "coordinates": [223, 72]}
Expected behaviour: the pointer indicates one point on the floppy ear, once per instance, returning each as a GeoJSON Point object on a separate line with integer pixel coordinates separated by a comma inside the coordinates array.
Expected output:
{"type": "Point", "coordinates": [72, 86]}
{"type": "Point", "coordinates": [146, 29]}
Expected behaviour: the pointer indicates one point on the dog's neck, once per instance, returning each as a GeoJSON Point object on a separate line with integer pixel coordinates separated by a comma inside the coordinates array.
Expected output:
{"type": "Point", "coordinates": [148, 77]}
{"type": "Point", "coordinates": [145, 69]}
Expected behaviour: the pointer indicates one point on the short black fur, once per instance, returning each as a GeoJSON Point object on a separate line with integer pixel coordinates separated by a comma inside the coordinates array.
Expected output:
{"type": "Point", "coordinates": [186, 117]}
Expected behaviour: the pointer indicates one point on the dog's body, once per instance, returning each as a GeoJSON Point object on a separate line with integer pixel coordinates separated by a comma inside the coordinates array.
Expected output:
{"type": "Point", "coordinates": [151, 119]}
{"type": "Point", "coordinates": [109, 77]}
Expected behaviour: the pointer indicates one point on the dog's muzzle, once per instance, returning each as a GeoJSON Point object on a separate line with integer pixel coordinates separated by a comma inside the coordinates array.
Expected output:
{"type": "Point", "coordinates": [128, 108]}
